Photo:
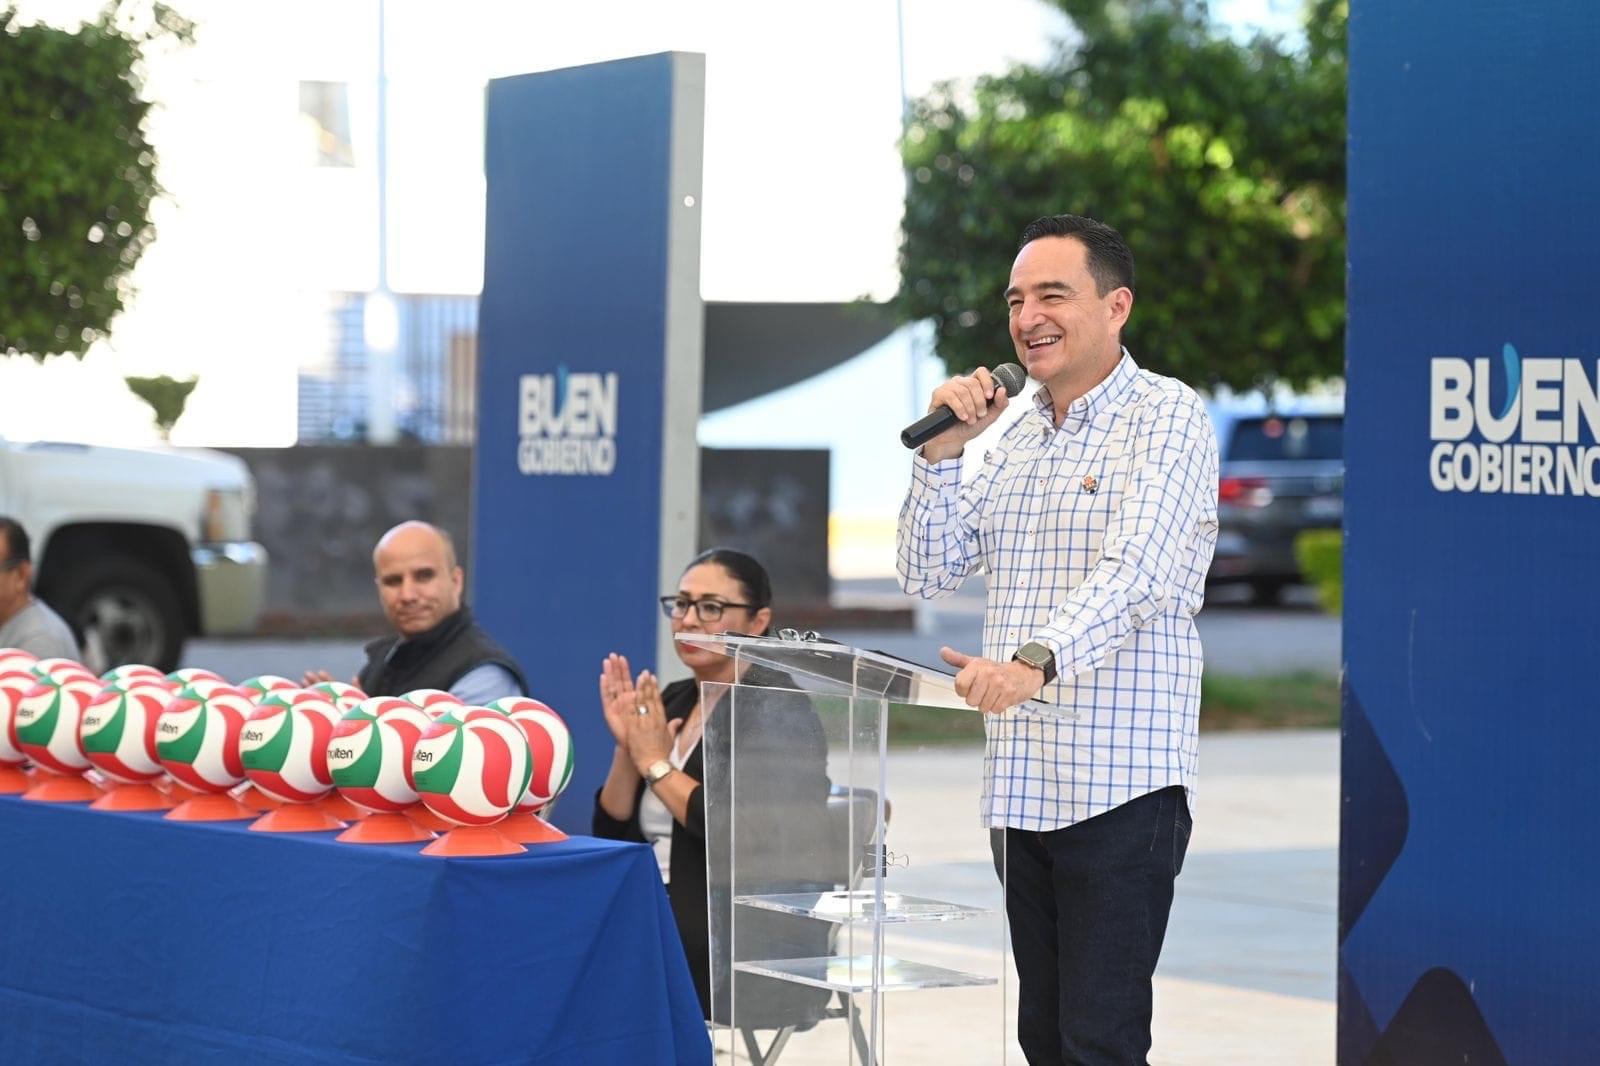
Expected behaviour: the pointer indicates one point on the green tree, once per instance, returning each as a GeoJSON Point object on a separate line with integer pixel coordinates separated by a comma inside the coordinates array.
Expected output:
{"type": "Point", "coordinates": [77, 176]}
{"type": "Point", "coordinates": [166, 396]}
{"type": "Point", "coordinates": [1221, 161]}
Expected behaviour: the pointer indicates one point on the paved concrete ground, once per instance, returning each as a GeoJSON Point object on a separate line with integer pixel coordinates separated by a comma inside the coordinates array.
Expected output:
{"type": "Point", "coordinates": [1247, 974]}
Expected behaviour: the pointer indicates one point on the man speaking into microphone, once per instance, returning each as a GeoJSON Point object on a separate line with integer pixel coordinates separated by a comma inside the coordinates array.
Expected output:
{"type": "Point", "coordinates": [1094, 517]}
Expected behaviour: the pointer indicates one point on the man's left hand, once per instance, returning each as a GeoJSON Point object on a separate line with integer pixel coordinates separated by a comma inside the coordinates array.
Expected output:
{"type": "Point", "coordinates": [993, 687]}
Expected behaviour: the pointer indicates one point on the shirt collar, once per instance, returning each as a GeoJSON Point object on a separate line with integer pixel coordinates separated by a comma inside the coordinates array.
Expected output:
{"type": "Point", "coordinates": [1091, 404]}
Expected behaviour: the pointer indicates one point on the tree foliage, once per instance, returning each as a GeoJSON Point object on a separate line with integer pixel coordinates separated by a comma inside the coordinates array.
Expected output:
{"type": "Point", "coordinates": [1221, 161]}
{"type": "Point", "coordinates": [166, 396]}
{"type": "Point", "coordinates": [77, 176]}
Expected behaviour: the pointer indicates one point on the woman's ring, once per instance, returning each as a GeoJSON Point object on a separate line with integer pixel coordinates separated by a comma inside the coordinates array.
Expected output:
{"type": "Point", "coordinates": [642, 710]}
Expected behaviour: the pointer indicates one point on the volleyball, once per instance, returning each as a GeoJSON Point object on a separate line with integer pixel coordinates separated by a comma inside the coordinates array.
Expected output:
{"type": "Point", "coordinates": [15, 660]}
{"type": "Point", "coordinates": [338, 693]}
{"type": "Point", "coordinates": [119, 675]}
{"type": "Point", "coordinates": [200, 688]}
{"type": "Point", "coordinates": [12, 686]}
{"type": "Point", "coordinates": [193, 673]}
{"type": "Point", "coordinates": [370, 752]}
{"type": "Point", "coordinates": [471, 771]}
{"type": "Point", "coordinates": [46, 723]}
{"type": "Point", "coordinates": [197, 738]}
{"type": "Point", "coordinates": [283, 747]}
{"type": "Point", "coordinates": [261, 684]}
{"type": "Point", "coordinates": [549, 743]}
{"type": "Point", "coordinates": [304, 698]}
{"type": "Point", "coordinates": [433, 700]}
{"type": "Point", "coordinates": [61, 669]}
{"type": "Point", "coordinates": [118, 731]}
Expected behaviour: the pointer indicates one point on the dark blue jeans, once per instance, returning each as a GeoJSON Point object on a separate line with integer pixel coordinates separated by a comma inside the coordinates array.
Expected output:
{"type": "Point", "coordinates": [1088, 909]}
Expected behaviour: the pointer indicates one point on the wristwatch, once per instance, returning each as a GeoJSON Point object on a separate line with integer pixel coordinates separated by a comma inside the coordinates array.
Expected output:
{"type": "Point", "coordinates": [1039, 657]}
{"type": "Point", "coordinates": [657, 770]}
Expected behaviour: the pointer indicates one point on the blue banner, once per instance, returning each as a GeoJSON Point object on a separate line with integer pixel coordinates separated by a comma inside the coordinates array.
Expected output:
{"type": "Point", "coordinates": [1468, 930]}
{"type": "Point", "coordinates": [586, 476]}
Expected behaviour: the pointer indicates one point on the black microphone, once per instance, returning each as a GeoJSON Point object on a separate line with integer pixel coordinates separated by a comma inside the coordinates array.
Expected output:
{"type": "Point", "coordinates": [1008, 376]}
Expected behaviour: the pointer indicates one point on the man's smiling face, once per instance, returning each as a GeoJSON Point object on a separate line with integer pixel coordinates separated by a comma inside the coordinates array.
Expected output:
{"type": "Point", "coordinates": [1064, 330]}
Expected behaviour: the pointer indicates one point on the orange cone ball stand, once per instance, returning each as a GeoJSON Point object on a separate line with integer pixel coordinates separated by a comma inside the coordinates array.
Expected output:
{"type": "Point", "coordinates": [211, 807]}
{"type": "Point", "coordinates": [472, 841]}
{"type": "Point", "coordinates": [427, 819]}
{"type": "Point", "coordinates": [525, 827]}
{"type": "Point", "coordinates": [51, 787]}
{"type": "Point", "coordinates": [296, 818]}
{"type": "Point", "coordinates": [134, 798]}
{"type": "Point", "coordinates": [381, 828]}
{"type": "Point", "coordinates": [341, 808]}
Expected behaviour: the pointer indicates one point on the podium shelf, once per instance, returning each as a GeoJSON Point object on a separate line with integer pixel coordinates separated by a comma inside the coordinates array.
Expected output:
{"type": "Point", "coordinates": [862, 906]}
{"type": "Point", "coordinates": [853, 974]}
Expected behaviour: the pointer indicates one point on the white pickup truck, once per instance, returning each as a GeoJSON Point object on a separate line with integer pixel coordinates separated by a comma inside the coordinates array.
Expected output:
{"type": "Point", "coordinates": [137, 549]}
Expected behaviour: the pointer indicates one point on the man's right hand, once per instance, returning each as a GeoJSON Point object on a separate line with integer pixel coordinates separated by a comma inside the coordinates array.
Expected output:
{"type": "Point", "coordinates": [977, 400]}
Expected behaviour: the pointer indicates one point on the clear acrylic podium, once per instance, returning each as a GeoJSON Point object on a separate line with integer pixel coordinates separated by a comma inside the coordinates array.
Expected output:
{"type": "Point", "coordinates": [855, 910]}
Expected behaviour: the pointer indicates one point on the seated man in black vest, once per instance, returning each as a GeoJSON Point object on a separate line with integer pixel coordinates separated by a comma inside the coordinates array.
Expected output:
{"type": "Point", "coordinates": [436, 642]}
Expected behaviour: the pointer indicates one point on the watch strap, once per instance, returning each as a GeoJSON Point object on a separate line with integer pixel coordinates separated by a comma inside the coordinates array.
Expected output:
{"type": "Point", "coordinates": [1038, 656]}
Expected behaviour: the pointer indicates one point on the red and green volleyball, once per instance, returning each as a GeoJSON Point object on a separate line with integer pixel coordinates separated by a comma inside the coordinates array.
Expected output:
{"type": "Point", "coordinates": [549, 743]}
{"type": "Point", "coordinates": [433, 700]}
{"type": "Point", "coordinates": [339, 694]}
{"type": "Point", "coordinates": [62, 670]}
{"type": "Point", "coordinates": [191, 674]}
{"type": "Point", "coordinates": [15, 660]}
{"type": "Point", "coordinates": [130, 672]}
{"type": "Point", "coordinates": [197, 738]}
{"type": "Point", "coordinates": [370, 752]}
{"type": "Point", "coordinates": [12, 686]}
{"type": "Point", "coordinates": [261, 684]}
{"type": "Point", "coordinates": [471, 770]}
{"type": "Point", "coordinates": [284, 749]}
{"type": "Point", "coordinates": [47, 721]}
{"type": "Point", "coordinates": [118, 731]}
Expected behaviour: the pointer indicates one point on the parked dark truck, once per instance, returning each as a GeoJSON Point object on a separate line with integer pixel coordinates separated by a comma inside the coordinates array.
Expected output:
{"type": "Point", "coordinates": [138, 549]}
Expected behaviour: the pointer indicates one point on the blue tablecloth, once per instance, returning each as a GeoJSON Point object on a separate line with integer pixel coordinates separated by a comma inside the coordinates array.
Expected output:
{"type": "Point", "coordinates": [126, 938]}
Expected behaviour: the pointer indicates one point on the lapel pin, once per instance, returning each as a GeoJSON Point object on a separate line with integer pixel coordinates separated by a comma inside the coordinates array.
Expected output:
{"type": "Point", "coordinates": [1090, 484]}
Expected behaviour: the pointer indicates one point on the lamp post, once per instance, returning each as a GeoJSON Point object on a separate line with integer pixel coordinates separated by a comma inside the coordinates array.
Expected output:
{"type": "Point", "coordinates": [380, 324]}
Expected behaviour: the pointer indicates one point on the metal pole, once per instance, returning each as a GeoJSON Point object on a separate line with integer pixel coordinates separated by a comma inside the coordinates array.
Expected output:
{"type": "Point", "coordinates": [913, 336]}
{"type": "Point", "coordinates": [381, 317]}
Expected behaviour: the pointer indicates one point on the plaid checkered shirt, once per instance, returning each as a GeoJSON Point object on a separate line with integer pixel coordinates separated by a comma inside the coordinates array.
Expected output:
{"type": "Point", "coordinates": [1096, 537]}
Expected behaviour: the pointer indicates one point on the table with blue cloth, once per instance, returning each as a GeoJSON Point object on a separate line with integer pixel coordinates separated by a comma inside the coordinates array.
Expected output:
{"type": "Point", "coordinates": [127, 938]}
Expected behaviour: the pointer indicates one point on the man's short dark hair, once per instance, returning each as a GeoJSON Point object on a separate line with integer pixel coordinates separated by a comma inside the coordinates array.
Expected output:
{"type": "Point", "coordinates": [17, 547]}
{"type": "Point", "coordinates": [1110, 258]}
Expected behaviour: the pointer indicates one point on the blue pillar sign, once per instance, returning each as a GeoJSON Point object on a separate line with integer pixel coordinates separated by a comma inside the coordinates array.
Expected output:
{"type": "Point", "coordinates": [586, 475]}
{"type": "Point", "coordinates": [1468, 929]}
